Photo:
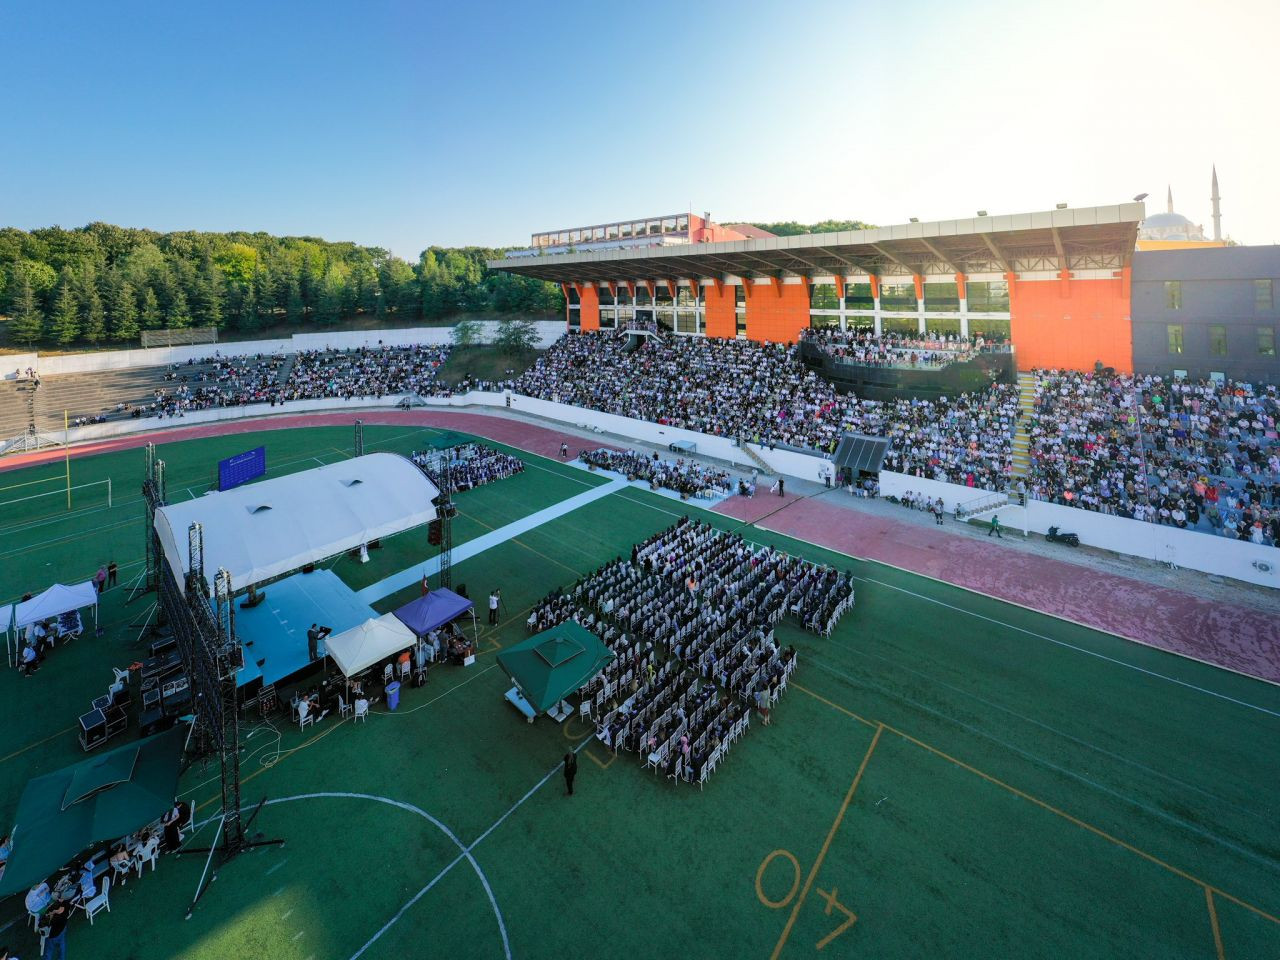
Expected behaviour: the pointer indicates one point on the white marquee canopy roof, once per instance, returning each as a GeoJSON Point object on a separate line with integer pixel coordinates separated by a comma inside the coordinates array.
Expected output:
{"type": "Point", "coordinates": [262, 530]}
{"type": "Point", "coordinates": [364, 645]}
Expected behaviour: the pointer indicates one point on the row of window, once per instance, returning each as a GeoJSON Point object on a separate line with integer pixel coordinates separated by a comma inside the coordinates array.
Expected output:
{"type": "Point", "coordinates": [1266, 340]}
{"type": "Point", "coordinates": [613, 231]}
{"type": "Point", "coordinates": [984, 297]}
{"type": "Point", "coordinates": [1264, 295]}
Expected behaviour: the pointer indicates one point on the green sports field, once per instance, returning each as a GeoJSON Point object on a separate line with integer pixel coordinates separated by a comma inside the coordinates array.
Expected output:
{"type": "Point", "coordinates": [947, 775]}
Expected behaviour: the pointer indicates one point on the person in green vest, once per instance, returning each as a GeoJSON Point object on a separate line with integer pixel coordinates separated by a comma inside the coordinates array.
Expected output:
{"type": "Point", "coordinates": [995, 526]}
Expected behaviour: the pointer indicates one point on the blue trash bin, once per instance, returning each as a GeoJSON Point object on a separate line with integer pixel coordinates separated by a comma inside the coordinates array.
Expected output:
{"type": "Point", "coordinates": [393, 694]}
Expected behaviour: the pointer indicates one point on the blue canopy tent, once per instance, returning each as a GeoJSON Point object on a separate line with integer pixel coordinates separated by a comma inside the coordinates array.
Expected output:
{"type": "Point", "coordinates": [434, 610]}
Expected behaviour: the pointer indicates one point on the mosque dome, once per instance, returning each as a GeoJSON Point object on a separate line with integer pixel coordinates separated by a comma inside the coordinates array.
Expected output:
{"type": "Point", "coordinates": [1169, 226]}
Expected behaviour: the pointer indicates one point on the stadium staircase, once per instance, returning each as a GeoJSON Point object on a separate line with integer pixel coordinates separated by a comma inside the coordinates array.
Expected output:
{"type": "Point", "coordinates": [1022, 438]}
{"type": "Point", "coordinates": [16, 405]}
{"type": "Point", "coordinates": [286, 369]}
{"type": "Point", "coordinates": [761, 463]}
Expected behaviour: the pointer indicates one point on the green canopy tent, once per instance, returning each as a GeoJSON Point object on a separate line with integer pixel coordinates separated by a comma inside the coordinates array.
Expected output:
{"type": "Point", "coordinates": [550, 665]}
{"type": "Point", "coordinates": [107, 797]}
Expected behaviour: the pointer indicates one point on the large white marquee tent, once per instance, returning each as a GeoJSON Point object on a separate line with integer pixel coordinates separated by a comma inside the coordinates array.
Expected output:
{"type": "Point", "coordinates": [262, 530]}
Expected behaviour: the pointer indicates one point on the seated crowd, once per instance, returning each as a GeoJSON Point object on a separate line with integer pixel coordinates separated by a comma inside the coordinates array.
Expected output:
{"type": "Point", "coordinates": [470, 465]}
{"type": "Point", "coordinates": [865, 348]}
{"type": "Point", "coordinates": [686, 477]}
{"type": "Point", "coordinates": [691, 612]}
{"type": "Point", "coordinates": [1196, 455]}
{"type": "Point", "coordinates": [763, 393]}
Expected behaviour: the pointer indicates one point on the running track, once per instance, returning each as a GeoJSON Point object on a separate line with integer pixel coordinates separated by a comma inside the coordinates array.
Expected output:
{"type": "Point", "coordinates": [1238, 638]}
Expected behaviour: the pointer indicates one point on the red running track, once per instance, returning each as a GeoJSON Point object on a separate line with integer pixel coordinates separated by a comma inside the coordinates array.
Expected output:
{"type": "Point", "coordinates": [1238, 638]}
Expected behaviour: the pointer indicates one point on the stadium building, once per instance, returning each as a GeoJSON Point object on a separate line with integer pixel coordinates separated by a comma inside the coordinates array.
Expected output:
{"type": "Point", "coordinates": [1067, 287]}
{"type": "Point", "coordinates": [1056, 283]}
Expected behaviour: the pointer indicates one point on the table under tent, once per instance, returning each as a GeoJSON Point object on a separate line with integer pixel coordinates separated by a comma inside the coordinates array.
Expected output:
{"type": "Point", "coordinates": [437, 609]}
{"type": "Point", "coordinates": [549, 666]}
{"type": "Point", "coordinates": [60, 601]}
{"type": "Point", "coordinates": [65, 813]}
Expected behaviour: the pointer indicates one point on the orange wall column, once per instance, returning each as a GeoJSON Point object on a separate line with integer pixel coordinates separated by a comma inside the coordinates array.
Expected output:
{"type": "Point", "coordinates": [1071, 323]}
{"type": "Point", "coordinates": [589, 311]}
{"type": "Point", "coordinates": [719, 303]}
{"type": "Point", "coordinates": [778, 314]}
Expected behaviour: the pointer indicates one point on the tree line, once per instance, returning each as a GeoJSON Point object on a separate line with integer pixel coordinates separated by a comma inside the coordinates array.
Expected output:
{"type": "Point", "coordinates": [107, 283]}
{"type": "Point", "coordinates": [791, 228]}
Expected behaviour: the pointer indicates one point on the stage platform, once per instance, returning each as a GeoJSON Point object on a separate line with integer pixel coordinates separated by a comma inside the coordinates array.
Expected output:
{"type": "Point", "coordinates": [275, 631]}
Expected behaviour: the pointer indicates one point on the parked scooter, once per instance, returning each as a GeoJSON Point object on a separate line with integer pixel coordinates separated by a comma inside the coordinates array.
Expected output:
{"type": "Point", "coordinates": [1070, 539]}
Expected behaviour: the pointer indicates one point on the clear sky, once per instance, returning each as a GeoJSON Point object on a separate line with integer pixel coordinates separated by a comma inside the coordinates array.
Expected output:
{"type": "Point", "coordinates": [402, 124]}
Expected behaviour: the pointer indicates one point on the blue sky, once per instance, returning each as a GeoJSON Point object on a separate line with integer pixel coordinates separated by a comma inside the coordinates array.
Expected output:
{"type": "Point", "coordinates": [404, 124]}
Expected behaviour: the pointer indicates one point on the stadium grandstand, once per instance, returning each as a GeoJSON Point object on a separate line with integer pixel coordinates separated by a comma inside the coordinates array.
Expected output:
{"type": "Point", "coordinates": [728, 560]}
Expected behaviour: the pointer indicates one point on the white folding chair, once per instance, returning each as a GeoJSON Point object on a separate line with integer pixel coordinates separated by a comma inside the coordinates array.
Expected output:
{"type": "Point", "coordinates": [307, 720]}
{"type": "Point", "coordinates": [120, 870]}
{"type": "Point", "coordinates": [362, 710]}
{"type": "Point", "coordinates": [148, 853]}
{"type": "Point", "coordinates": [405, 669]}
{"type": "Point", "coordinates": [343, 707]}
{"type": "Point", "coordinates": [388, 674]}
{"type": "Point", "coordinates": [100, 902]}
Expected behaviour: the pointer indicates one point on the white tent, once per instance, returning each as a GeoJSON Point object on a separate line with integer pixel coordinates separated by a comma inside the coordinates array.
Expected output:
{"type": "Point", "coordinates": [360, 647]}
{"type": "Point", "coordinates": [266, 529]}
{"type": "Point", "coordinates": [54, 602]}
{"type": "Point", "coordinates": [6, 620]}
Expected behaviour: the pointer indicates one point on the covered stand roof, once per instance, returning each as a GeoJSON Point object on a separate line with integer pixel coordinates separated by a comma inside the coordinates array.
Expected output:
{"type": "Point", "coordinates": [106, 797]}
{"type": "Point", "coordinates": [57, 600]}
{"type": "Point", "coordinates": [361, 647]}
{"type": "Point", "coordinates": [266, 529]}
{"type": "Point", "coordinates": [433, 610]}
{"type": "Point", "coordinates": [1052, 240]}
{"type": "Point", "coordinates": [551, 665]}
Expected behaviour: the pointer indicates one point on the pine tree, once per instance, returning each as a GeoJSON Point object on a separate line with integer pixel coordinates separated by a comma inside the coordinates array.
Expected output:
{"type": "Point", "coordinates": [150, 317]}
{"type": "Point", "coordinates": [122, 310]}
{"type": "Point", "coordinates": [248, 310]}
{"type": "Point", "coordinates": [92, 317]}
{"type": "Point", "coordinates": [26, 322]}
{"type": "Point", "coordinates": [178, 315]}
{"type": "Point", "coordinates": [207, 295]}
{"type": "Point", "coordinates": [66, 309]}
{"type": "Point", "coordinates": [293, 305]}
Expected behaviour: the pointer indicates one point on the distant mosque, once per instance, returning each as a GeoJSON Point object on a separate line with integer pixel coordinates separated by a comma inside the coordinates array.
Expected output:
{"type": "Point", "coordinates": [1173, 231]}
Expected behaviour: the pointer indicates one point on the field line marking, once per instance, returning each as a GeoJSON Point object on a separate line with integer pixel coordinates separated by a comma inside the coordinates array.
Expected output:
{"type": "Point", "coordinates": [20, 750]}
{"type": "Point", "coordinates": [826, 844]}
{"type": "Point", "coordinates": [1213, 923]}
{"type": "Point", "coordinates": [1097, 831]}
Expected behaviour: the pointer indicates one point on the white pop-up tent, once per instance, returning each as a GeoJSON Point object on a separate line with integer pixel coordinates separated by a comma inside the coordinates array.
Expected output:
{"type": "Point", "coordinates": [360, 647]}
{"type": "Point", "coordinates": [54, 602]}
{"type": "Point", "coordinates": [6, 619]}
{"type": "Point", "coordinates": [262, 530]}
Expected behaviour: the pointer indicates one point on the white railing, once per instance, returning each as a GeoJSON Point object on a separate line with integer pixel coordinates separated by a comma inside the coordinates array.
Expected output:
{"type": "Point", "coordinates": [990, 501]}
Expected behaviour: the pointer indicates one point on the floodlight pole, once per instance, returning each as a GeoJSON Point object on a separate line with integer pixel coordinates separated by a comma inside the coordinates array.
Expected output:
{"type": "Point", "coordinates": [446, 521]}
{"type": "Point", "coordinates": [359, 438]}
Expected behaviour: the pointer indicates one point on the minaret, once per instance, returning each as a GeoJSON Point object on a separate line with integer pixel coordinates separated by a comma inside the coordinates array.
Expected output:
{"type": "Point", "coordinates": [1215, 199]}
{"type": "Point", "coordinates": [1170, 198]}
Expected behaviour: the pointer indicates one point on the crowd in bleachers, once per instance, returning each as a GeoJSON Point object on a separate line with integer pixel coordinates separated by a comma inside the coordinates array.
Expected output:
{"type": "Point", "coordinates": [692, 612]}
{"type": "Point", "coordinates": [686, 477]}
{"type": "Point", "coordinates": [863, 347]}
{"type": "Point", "coordinates": [763, 393]}
{"type": "Point", "coordinates": [1193, 454]}
{"type": "Point", "coordinates": [470, 465]}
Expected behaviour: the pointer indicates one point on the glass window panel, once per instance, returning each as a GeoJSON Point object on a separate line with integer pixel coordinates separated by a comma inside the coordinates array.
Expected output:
{"type": "Point", "coordinates": [860, 324]}
{"type": "Point", "coordinates": [857, 296]}
{"type": "Point", "coordinates": [573, 295]}
{"type": "Point", "coordinates": [686, 322]}
{"type": "Point", "coordinates": [687, 296]}
{"type": "Point", "coordinates": [946, 326]}
{"type": "Point", "coordinates": [824, 296]}
{"type": "Point", "coordinates": [1263, 295]}
{"type": "Point", "coordinates": [606, 298]}
{"type": "Point", "coordinates": [644, 298]}
{"type": "Point", "coordinates": [824, 321]}
{"type": "Point", "coordinates": [1266, 342]}
{"type": "Point", "coordinates": [663, 296]}
{"type": "Point", "coordinates": [624, 296]}
{"type": "Point", "coordinates": [739, 296]}
{"type": "Point", "coordinates": [989, 328]}
{"type": "Point", "coordinates": [608, 319]}
{"type": "Point", "coordinates": [1174, 332]}
{"type": "Point", "coordinates": [575, 320]}
{"type": "Point", "coordinates": [1173, 295]}
{"type": "Point", "coordinates": [898, 296]}
{"type": "Point", "coordinates": [942, 296]}
{"type": "Point", "coordinates": [906, 325]}
{"type": "Point", "coordinates": [988, 296]}
{"type": "Point", "coordinates": [1217, 339]}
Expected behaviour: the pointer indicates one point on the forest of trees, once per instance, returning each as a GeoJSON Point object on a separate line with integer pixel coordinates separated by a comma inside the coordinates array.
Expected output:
{"type": "Point", "coordinates": [789, 228]}
{"type": "Point", "coordinates": [104, 283]}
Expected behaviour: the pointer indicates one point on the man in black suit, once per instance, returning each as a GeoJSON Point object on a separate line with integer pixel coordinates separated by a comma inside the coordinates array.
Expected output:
{"type": "Point", "coordinates": [570, 771]}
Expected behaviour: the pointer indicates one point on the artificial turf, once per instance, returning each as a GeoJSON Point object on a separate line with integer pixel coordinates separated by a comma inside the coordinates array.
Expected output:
{"type": "Point", "coordinates": [947, 776]}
